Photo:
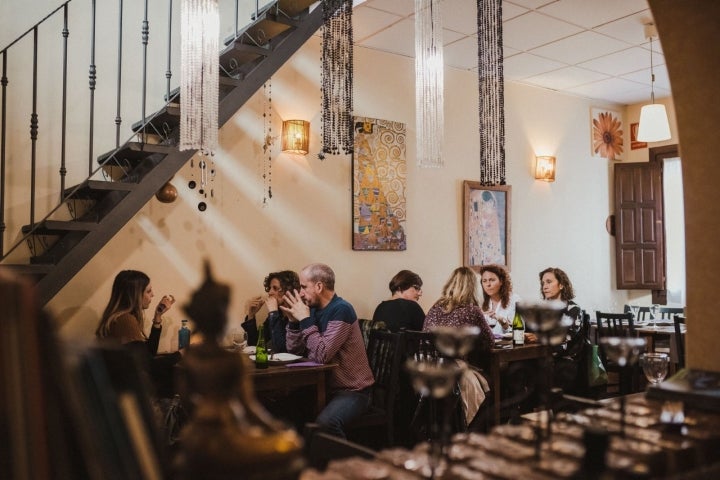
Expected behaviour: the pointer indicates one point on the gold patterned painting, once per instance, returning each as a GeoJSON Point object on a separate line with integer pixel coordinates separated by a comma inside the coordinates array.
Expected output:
{"type": "Point", "coordinates": [379, 182]}
{"type": "Point", "coordinates": [486, 222]}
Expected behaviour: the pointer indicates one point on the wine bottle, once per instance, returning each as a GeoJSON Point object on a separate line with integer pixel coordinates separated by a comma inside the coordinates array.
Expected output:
{"type": "Point", "coordinates": [261, 356]}
{"type": "Point", "coordinates": [183, 335]}
{"type": "Point", "coordinates": [518, 327]}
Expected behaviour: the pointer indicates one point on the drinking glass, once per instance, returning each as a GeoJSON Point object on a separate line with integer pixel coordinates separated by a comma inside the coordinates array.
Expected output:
{"type": "Point", "coordinates": [238, 336]}
{"type": "Point", "coordinates": [655, 366]}
{"type": "Point", "coordinates": [635, 309]}
{"type": "Point", "coordinates": [654, 311]}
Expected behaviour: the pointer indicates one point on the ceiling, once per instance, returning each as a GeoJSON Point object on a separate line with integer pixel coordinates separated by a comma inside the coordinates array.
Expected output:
{"type": "Point", "coordinates": [592, 49]}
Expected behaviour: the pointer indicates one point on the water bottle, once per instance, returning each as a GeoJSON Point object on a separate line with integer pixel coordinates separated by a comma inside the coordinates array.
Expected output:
{"type": "Point", "coordinates": [183, 335]}
{"type": "Point", "coordinates": [261, 356]}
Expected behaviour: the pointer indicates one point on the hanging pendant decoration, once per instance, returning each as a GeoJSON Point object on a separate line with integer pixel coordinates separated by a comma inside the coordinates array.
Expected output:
{"type": "Point", "coordinates": [337, 77]}
{"type": "Point", "coordinates": [268, 142]}
{"type": "Point", "coordinates": [491, 92]}
{"type": "Point", "coordinates": [429, 83]}
{"type": "Point", "coordinates": [199, 60]}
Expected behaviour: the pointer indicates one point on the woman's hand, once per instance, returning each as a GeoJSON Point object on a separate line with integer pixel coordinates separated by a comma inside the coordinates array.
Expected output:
{"type": "Point", "coordinates": [252, 306]}
{"type": "Point", "coordinates": [271, 303]}
{"type": "Point", "coordinates": [166, 302]}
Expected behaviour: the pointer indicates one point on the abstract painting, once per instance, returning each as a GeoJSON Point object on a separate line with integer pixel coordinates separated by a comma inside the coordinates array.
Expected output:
{"type": "Point", "coordinates": [379, 182]}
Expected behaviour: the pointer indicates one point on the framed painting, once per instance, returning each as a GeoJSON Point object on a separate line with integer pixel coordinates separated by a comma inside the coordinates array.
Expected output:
{"type": "Point", "coordinates": [606, 134]}
{"type": "Point", "coordinates": [486, 225]}
{"type": "Point", "coordinates": [379, 182]}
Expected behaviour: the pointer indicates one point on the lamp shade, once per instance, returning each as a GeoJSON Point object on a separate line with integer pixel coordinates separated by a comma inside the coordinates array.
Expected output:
{"type": "Point", "coordinates": [654, 126]}
{"type": "Point", "coordinates": [296, 136]}
{"type": "Point", "coordinates": [545, 168]}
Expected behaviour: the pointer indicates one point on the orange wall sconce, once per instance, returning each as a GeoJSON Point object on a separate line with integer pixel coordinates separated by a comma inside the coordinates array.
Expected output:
{"type": "Point", "coordinates": [296, 136]}
{"type": "Point", "coordinates": [545, 168]}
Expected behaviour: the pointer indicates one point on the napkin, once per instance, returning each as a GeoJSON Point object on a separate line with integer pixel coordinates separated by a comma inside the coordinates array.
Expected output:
{"type": "Point", "coordinates": [303, 364]}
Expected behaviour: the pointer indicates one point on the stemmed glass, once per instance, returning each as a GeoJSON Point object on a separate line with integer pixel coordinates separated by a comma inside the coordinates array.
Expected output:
{"type": "Point", "coordinates": [654, 311]}
{"type": "Point", "coordinates": [635, 309]}
{"type": "Point", "coordinates": [625, 352]}
{"type": "Point", "coordinates": [655, 367]}
{"type": "Point", "coordinates": [546, 319]}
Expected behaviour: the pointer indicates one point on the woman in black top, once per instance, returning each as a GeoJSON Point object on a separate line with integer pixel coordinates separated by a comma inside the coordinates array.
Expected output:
{"type": "Point", "coordinates": [402, 311]}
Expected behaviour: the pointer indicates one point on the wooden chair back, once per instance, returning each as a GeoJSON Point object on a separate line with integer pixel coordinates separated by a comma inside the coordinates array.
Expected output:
{"type": "Point", "coordinates": [679, 320]}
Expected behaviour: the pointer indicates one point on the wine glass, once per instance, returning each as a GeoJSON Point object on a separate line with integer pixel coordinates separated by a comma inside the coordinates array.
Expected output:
{"type": "Point", "coordinates": [238, 337]}
{"type": "Point", "coordinates": [635, 309]}
{"type": "Point", "coordinates": [654, 311]}
{"type": "Point", "coordinates": [625, 352]}
{"type": "Point", "coordinates": [455, 342]}
{"type": "Point", "coordinates": [655, 366]}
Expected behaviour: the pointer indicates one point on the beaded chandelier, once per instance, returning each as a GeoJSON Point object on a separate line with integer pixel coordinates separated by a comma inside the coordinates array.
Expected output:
{"type": "Point", "coordinates": [491, 92]}
{"type": "Point", "coordinates": [337, 77]}
{"type": "Point", "coordinates": [199, 59]}
{"type": "Point", "coordinates": [429, 119]}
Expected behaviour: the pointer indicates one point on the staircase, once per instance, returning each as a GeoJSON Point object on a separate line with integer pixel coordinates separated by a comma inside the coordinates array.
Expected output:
{"type": "Point", "coordinates": [138, 169]}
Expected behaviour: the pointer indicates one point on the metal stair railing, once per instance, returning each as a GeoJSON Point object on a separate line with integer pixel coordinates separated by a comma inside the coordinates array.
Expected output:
{"type": "Point", "coordinates": [118, 188]}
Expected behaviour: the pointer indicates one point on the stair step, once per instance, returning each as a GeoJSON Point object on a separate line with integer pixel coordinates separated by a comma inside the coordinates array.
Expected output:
{"type": "Point", "coordinates": [261, 32]}
{"type": "Point", "coordinates": [168, 116]}
{"type": "Point", "coordinates": [240, 54]}
{"type": "Point", "coordinates": [133, 152]}
{"type": "Point", "coordinates": [293, 8]}
{"type": "Point", "coordinates": [93, 189]}
{"type": "Point", "coordinates": [58, 227]}
{"type": "Point", "coordinates": [37, 271]}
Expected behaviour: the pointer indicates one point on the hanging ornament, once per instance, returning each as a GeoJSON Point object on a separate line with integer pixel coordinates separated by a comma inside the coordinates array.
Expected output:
{"type": "Point", "coordinates": [337, 77]}
{"type": "Point", "coordinates": [491, 92]}
{"type": "Point", "coordinates": [429, 83]}
{"type": "Point", "coordinates": [199, 62]}
{"type": "Point", "coordinates": [167, 193]}
{"type": "Point", "coordinates": [268, 142]}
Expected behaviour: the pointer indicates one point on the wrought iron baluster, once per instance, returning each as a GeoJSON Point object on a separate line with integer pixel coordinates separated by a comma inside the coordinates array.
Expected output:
{"type": "Point", "coordinates": [118, 117]}
{"type": "Point", "coordinates": [145, 38]}
{"type": "Point", "coordinates": [93, 77]}
{"type": "Point", "coordinates": [63, 127]}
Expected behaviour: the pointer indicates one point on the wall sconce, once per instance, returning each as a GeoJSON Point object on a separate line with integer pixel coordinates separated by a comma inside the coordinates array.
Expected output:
{"type": "Point", "coordinates": [296, 136]}
{"type": "Point", "coordinates": [545, 168]}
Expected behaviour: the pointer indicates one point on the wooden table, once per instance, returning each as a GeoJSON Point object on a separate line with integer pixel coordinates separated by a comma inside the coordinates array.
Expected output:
{"type": "Point", "coordinates": [502, 356]}
{"type": "Point", "coordinates": [286, 378]}
{"type": "Point", "coordinates": [651, 334]}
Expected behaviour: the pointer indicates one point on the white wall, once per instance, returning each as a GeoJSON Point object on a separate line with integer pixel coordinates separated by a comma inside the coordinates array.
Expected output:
{"type": "Point", "coordinates": [310, 219]}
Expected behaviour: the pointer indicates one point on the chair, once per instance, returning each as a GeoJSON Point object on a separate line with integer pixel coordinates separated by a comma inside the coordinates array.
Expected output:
{"type": "Point", "coordinates": [665, 313]}
{"type": "Point", "coordinates": [385, 355]}
{"type": "Point", "coordinates": [321, 447]}
{"type": "Point", "coordinates": [679, 339]}
{"type": "Point", "coordinates": [616, 325]}
{"type": "Point", "coordinates": [366, 325]}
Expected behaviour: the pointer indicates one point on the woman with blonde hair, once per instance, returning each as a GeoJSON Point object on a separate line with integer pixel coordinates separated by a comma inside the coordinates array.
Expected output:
{"type": "Point", "coordinates": [459, 307]}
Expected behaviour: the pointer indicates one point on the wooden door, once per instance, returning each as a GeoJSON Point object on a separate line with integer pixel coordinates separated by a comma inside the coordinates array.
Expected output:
{"type": "Point", "coordinates": [639, 238]}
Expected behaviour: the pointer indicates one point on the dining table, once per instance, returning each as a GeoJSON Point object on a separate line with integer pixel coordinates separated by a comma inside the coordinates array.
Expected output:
{"type": "Point", "coordinates": [504, 353]}
{"type": "Point", "coordinates": [287, 377]}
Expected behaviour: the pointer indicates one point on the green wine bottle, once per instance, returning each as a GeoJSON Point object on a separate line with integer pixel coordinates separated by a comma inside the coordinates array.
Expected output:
{"type": "Point", "coordinates": [261, 356]}
{"type": "Point", "coordinates": [518, 327]}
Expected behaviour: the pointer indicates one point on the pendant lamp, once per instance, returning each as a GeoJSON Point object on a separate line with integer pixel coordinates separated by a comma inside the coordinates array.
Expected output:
{"type": "Point", "coordinates": [654, 126]}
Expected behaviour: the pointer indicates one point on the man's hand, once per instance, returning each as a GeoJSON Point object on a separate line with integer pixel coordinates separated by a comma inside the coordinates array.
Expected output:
{"type": "Point", "coordinates": [296, 308]}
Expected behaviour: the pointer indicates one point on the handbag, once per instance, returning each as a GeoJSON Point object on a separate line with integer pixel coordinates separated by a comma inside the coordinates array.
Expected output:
{"type": "Point", "coordinates": [597, 375]}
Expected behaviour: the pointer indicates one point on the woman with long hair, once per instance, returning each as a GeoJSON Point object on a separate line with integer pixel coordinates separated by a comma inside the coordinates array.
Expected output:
{"type": "Point", "coordinates": [459, 307]}
{"type": "Point", "coordinates": [555, 285]}
{"type": "Point", "coordinates": [498, 298]}
{"type": "Point", "coordinates": [124, 321]}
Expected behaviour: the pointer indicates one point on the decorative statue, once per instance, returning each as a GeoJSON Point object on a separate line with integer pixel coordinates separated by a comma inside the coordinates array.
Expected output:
{"type": "Point", "coordinates": [229, 434]}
